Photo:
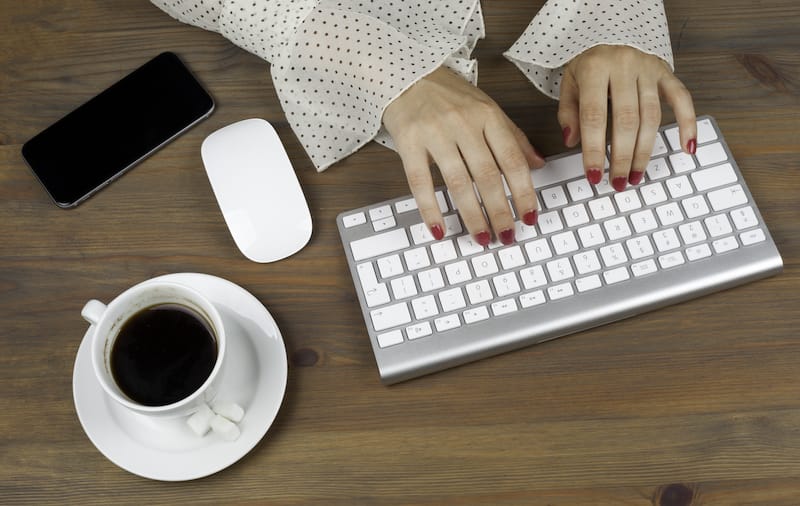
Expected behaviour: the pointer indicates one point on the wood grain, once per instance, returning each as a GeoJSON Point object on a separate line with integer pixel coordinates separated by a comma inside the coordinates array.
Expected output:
{"type": "Point", "coordinates": [698, 403]}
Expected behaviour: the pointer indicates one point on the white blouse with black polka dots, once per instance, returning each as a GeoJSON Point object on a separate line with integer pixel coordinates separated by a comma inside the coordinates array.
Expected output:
{"type": "Point", "coordinates": [336, 65]}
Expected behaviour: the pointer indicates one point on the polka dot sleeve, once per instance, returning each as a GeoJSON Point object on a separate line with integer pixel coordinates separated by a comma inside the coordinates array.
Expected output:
{"type": "Point", "coordinates": [565, 28]}
{"type": "Point", "coordinates": [337, 65]}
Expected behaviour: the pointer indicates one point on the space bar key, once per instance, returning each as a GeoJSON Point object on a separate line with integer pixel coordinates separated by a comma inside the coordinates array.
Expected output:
{"type": "Point", "coordinates": [380, 244]}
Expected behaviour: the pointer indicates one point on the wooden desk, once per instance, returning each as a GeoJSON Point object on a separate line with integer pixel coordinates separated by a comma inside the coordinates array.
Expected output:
{"type": "Point", "coordinates": [699, 401]}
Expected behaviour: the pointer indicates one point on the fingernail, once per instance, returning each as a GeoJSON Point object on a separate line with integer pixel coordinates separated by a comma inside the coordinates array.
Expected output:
{"type": "Point", "coordinates": [529, 218]}
{"type": "Point", "coordinates": [691, 146]}
{"type": "Point", "coordinates": [483, 238]}
{"type": "Point", "coordinates": [437, 232]}
{"type": "Point", "coordinates": [594, 175]}
{"type": "Point", "coordinates": [635, 177]}
{"type": "Point", "coordinates": [619, 183]}
{"type": "Point", "coordinates": [565, 133]}
{"type": "Point", "coordinates": [507, 236]}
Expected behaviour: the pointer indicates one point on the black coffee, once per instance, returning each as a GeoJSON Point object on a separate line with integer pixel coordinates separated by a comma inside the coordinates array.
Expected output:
{"type": "Point", "coordinates": [163, 354]}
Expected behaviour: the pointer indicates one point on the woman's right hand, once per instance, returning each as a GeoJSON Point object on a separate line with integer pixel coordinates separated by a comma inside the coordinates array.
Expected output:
{"type": "Point", "coordinates": [444, 120]}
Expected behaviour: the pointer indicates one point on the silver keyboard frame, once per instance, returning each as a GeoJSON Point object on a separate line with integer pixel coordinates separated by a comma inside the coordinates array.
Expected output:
{"type": "Point", "coordinates": [558, 318]}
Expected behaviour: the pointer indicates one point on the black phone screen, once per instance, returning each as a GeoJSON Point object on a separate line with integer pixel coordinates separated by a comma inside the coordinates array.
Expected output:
{"type": "Point", "coordinates": [98, 141]}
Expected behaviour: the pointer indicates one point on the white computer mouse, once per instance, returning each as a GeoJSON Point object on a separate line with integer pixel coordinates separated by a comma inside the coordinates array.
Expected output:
{"type": "Point", "coordinates": [257, 190]}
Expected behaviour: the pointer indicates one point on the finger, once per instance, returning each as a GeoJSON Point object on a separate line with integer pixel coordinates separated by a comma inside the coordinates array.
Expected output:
{"type": "Point", "coordinates": [534, 158]}
{"type": "Point", "coordinates": [459, 183]}
{"type": "Point", "coordinates": [625, 128]}
{"type": "Point", "coordinates": [649, 121]}
{"type": "Point", "coordinates": [569, 110]}
{"type": "Point", "coordinates": [486, 175]}
{"type": "Point", "coordinates": [418, 173]}
{"type": "Point", "coordinates": [509, 156]}
{"type": "Point", "coordinates": [680, 100]}
{"type": "Point", "coordinates": [593, 114]}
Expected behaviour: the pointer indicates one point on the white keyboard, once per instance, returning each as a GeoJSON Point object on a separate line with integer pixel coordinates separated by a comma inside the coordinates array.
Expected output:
{"type": "Point", "coordinates": [689, 228]}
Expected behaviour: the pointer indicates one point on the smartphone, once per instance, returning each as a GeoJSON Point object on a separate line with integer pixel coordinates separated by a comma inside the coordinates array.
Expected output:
{"type": "Point", "coordinates": [100, 140]}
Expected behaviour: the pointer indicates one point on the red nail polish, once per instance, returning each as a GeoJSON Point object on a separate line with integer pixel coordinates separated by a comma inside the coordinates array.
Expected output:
{"type": "Point", "coordinates": [437, 232]}
{"type": "Point", "coordinates": [594, 175]}
{"type": "Point", "coordinates": [483, 238]}
{"type": "Point", "coordinates": [619, 183]}
{"type": "Point", "coordinates": [507, 236]}
{"type": "Point", "coordinates": [565, 133]}
{"type": "Point", "coordinates": [530, 217]}
{"type": "Point", "coordinates": [691, 146]}
{"type": "Point", "coordinates": [635, 177]}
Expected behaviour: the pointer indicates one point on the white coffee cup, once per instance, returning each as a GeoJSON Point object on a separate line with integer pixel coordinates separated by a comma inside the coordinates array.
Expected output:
{"type": "Point", "coordinates": [108, 320]}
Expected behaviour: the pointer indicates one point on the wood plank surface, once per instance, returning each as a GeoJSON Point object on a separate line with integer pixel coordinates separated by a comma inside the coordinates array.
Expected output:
{"type": "Point", "coordinates": [697, 403]}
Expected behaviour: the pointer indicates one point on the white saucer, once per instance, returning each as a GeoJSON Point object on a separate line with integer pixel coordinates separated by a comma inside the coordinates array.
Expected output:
{"type": "Point", "coordinates": [166, 449]}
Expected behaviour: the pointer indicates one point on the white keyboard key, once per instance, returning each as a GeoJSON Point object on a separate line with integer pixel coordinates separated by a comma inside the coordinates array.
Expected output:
{"type": "Point", "coordinates": [657, 168]}
{"type": "Point", "coordinates": [692, 233]}
{"type": "Point", "coordinates": [565, 242]}
{"type": "Point", "coordinates": [531, 299]}
{"type": "Point", "coordinates": [418, 330]}
{"type": "Point", "coordinates": [586, 261]}
{"type": "Point", "coordinates": [644, 268]}
{"type": "Point", "coordinates": [424, 307]}
{"type": "Point", "coordinates": [416, 259]}
{"type": "Point", "coordinates": [659, 148]}
{"type": "Point", "coordinates": [430, 280]}
{"type": "Point", "coordinates": [538, 250]}
{"type": "Point", "coordinates": [406, 205]}
{"type": "Point", "coordinates": [576, 215]}
{"type": "Point", "coordinates": [558, 170]}
{"type": "Point", "coordinates": [727, 197]}
{"type": "Point", "coordinates": [452, 299]}
{"type": "Point", "coordinates": [714, 177]}
{"type": "Point", "coordinates": [681, 162]}
{"type": "Point", "coordinates": [639, 247]}
{"type": "Point", "coordinates": [669, 214]}
{"type": "Point", "coordinates": [627, 200]}
{"type": "Point", "coordinates": [390, 266]}
{"type": "Point", "coordinates": [390, 316]}
{"type": "Point", "coordinates": [457, 272]}
{"type": "Point", "coordinates": [588, 283]}
{"type": "Point", "coordinates": [666, 240]}
{"type": "Point", "coordinates": [384, 224]}
{"type": "Point", "coordinates": [752, 236]}
{"type": "Point", "coordinates": [533, 277]}
{"type": "Point", "coordinates": [379, 213]}
{"type": "Point", "coordinates": [379, 244]}
{"type": "Point", "coordinates": [523, 232]}
{"type": "Point", "coordinates": [550, 222]}
{"type": "Point", "coordinates": [390, 338]}
{"type": "Point", "coordinates": [554, 197]}
{"type": "Point", "coordinates": [673, 137]}
{"type": "Point", "coordinates": [404, 287]}
{"type": "Point", "coordinates": [653, 194]}
{"type": "Point", "coordinates": [591, 235]}
{"type": "Point", "coordinates": [617, 228]}
{"type": "Point", "coordinates": [468, 246]}
{"type": "Point", "coordinates": [560, 291]}
{"type": "Point", "coordinates": [375, 293]}
{"type": "Point", "coordinates": [479, 291]}
{"type": "Point", "coordinates": [601, 208]}
{"type": "Point", "coordinates": [484, 265]}
{"type": "Point", "coordinates": [560, 269]}
{"type": "Point", "coordinates": [725, 244]}
{"type": "Point", "coordinates": [353, 220]}
{"type": "Point", "coordinates": [443, 251]}
{"type": "Point", "coordinates": [511, 257]}
{"type": "Point", "coordinates": [711, 154]}
{"type": "Point", "coordinates": [616, 275]}
{"type": "Point", "coordinates": [695, 206]}
{"type": "Point", "coordinates": [452, 225]}
{"type": "Point", "coordinates": [744, 218]}
{"type": "Point", "coordinates": [604, 186]}
{"type": "Point", "coordinates": [502, 307]}
{"type": "Point", "coordinates": [705, 131]}
{"type": "Point", "coordinates": [718, 225]}
{"type": "Point", "coordinates": [697, 252]}
{"type": "Point", "coordinates": [613, 254]}
{"type": "Point", "coordinates": [579, 189]}
{"type": "Point", "coordinates": [420, 233]}
{"type": "Point", "coordinates": [671, 259]}
{"type": "Point", "coordinates": [506, 284]}
{"type": "Point", "coordinates": [441, 201]}
{"type": "Point", "coordinates": [679, 187]}
{"type": "Point", "coordinates": [476, 314]}
{"type": "Point", "coordinates": [447, 322]}
{"type": "Point", "coordinates": [644, 221]}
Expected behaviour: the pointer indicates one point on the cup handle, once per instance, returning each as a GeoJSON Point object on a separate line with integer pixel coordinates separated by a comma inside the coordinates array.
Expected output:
{"type": "Point", "coordinates": [93, 311]}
